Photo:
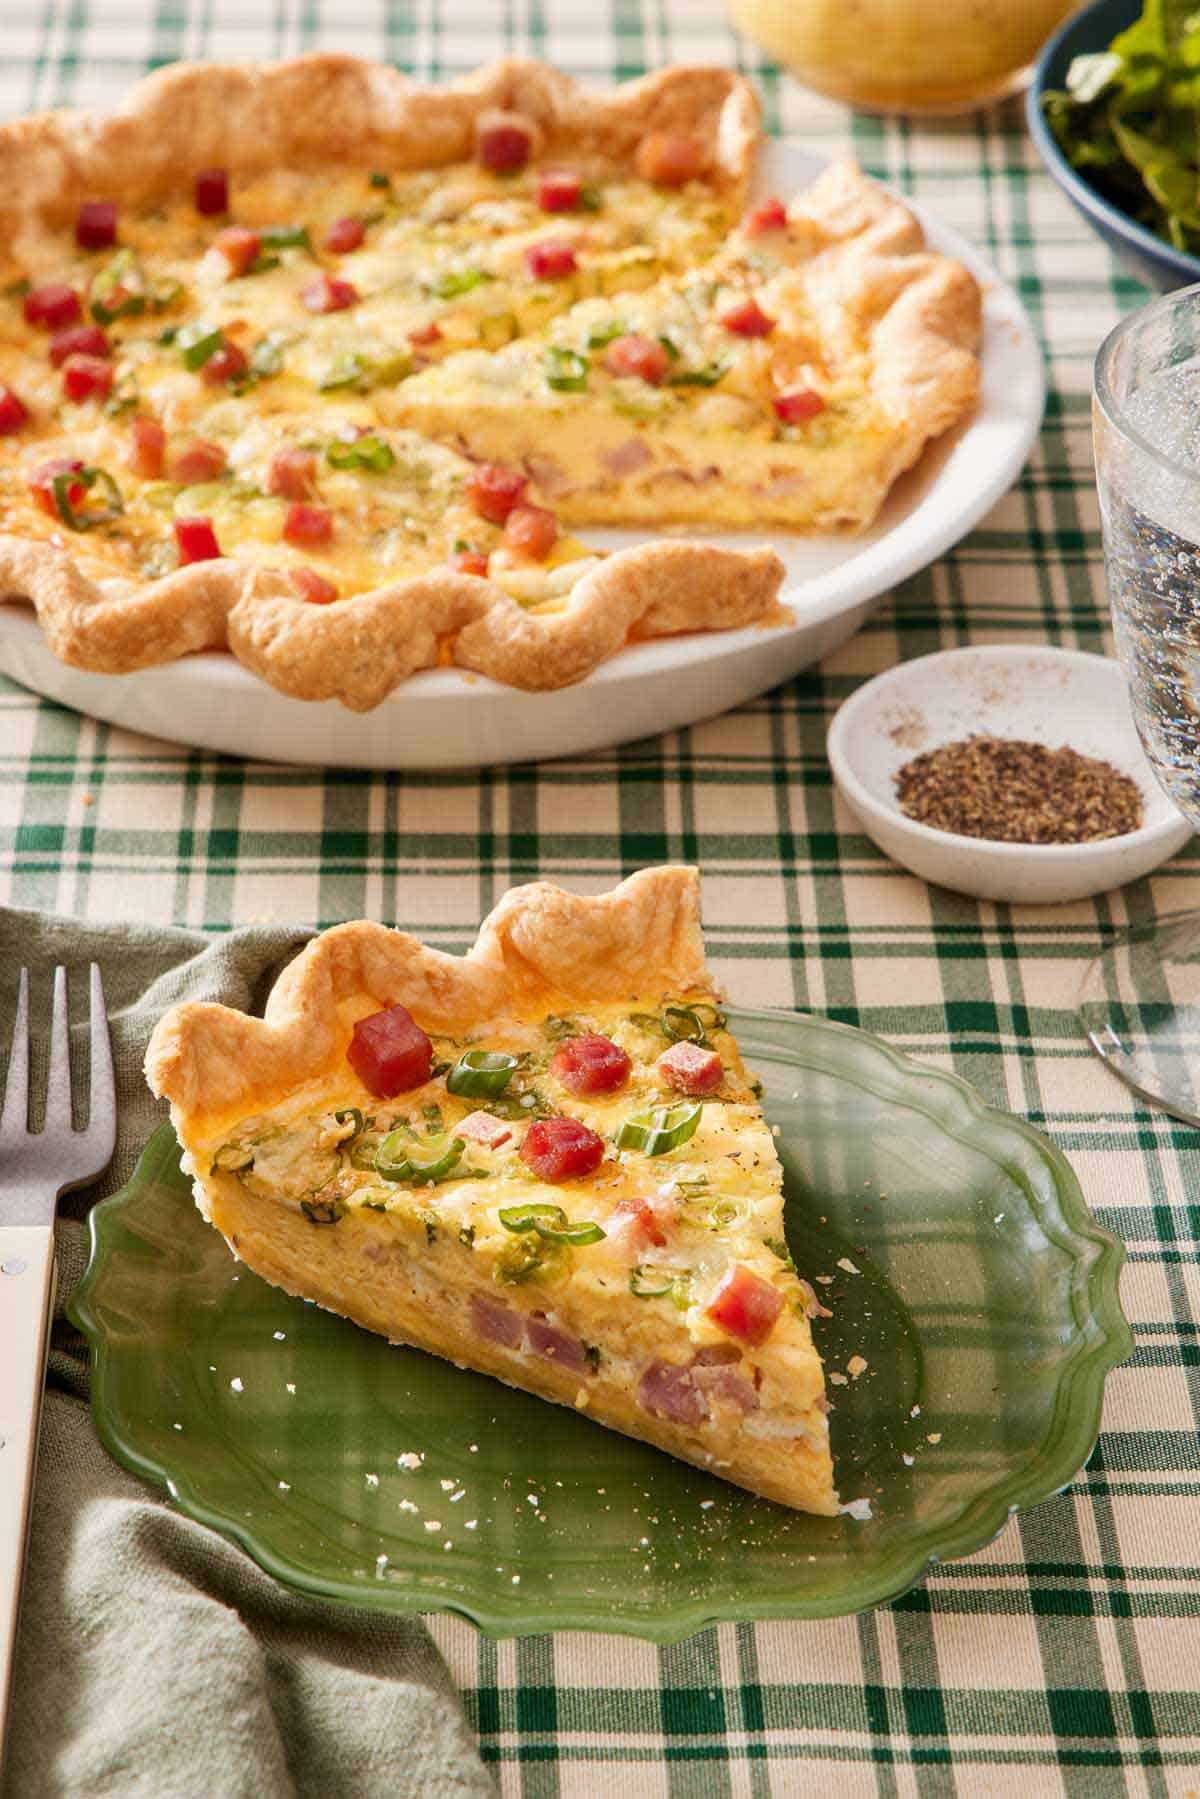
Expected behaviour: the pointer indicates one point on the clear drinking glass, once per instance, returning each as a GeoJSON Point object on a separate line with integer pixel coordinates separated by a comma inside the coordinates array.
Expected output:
{"type": "Point", "coordinates": [1141, 998]}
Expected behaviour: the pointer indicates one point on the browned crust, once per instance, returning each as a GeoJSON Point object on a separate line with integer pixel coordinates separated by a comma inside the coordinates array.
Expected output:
{"type": "Point", "coordinates": [921, 312]}
{"type": "Point", "coordinates": [327, 108]}
{"type": "Point", "coordinates": [358, 651]}
{"type": "Point", "coordinates": [539, 947]}
{"type": "Point", "coordinates": [317, 109]}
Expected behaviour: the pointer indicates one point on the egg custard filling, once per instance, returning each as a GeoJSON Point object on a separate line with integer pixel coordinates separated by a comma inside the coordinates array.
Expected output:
{"type": "Point", "coordinates": [578, 1194]}
{"type": "Point", "coordinates": [337, 402]}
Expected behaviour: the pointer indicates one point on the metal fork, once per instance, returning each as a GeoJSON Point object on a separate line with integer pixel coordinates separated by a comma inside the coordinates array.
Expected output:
{"type": "Point", "coordinates": [34, 1169]}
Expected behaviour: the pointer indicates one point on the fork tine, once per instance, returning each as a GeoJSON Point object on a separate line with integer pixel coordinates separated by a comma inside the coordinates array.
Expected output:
{"type": "Point", "coordinates": [102, 1111]}
{"type": "Point", "coordinates": [58, 1079]}
{"type": "Point", "coordinates": [14, 1120]}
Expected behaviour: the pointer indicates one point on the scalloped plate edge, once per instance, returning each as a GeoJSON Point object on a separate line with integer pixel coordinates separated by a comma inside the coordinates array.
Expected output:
{"type": "Point", "coordinates": [1070, 1440]}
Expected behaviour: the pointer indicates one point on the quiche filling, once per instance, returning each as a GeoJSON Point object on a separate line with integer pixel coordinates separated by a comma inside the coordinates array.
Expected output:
{"type": "Point", "coordinates": [330, 373]}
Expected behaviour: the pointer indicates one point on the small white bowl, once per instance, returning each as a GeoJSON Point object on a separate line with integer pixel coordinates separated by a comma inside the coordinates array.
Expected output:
{"type": "Point", "coordinates": [1040, 695]}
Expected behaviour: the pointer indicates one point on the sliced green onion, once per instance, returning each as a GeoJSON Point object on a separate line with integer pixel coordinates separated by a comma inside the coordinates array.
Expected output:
{"type": "Point", "coordinates": [591, 197]}
{"type": "Point", "coordinates": [350, 1115]}
{"type": "Point", "coordinates": [233, 1156]}
{"type": "Point", "coordinates": [521, 1102]}
{"type": "Point", "coordinates": [706, 376]}
{"type": "Point", "coordinates": [124, 396]}
{"type": "Point", "coordinates": [481, 1071]}
{"type": "Point", "coordinates": [566, 371]}
{"type": "Point", "coordinates": [378, 178]}
{"type": "Point", "coordinates": [199, 342]}
{"type": "Point", "coordinates": [561, 1024]}
{"type": "Point", "coordinates": [368, 452]}
{"type": "Point", "coordinates": [497, 329]}
{"type": "Point", "coordinates": [284, 237]}
{"type": "Point", "coordinates": [264, 261]}
{"type": "Point", "coordinates": [403, 1157]}
{"type": "Point", "coordinates": [716, 1213]}
{"type": "Point", "coordinates": [345, 371]}
{"type": "Point", "coordinates": [266, 358]}
{"type": "Point", "coordinates": [322, 1211]}
{"type": "Point", "coordinates": [691, 1024]}
{"type": "Point", "coordinates": [651, 1283]}
{"type": "Point", "coordinates": [110, 507]}
{"type": "Point", "coordinates": [600, 336]}
{"type": "Point", "coordinates": [162, 294]}
{"type": "Point", "coordinates": [119, 289]}
{"type": "Point", "coordinates": [459, 281]}
{"type": "Point", "coordinates": [661, 1129]}
{"type": "Point", "coordinates": [669, 345]}
{"type": "Point", "coordinates": [550, 1222]}
{"type": "Point", "coordinates": [674, 1284]}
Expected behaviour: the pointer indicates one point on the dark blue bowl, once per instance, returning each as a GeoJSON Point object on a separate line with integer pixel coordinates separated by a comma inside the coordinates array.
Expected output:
{"type": "Point", "coordinates": [1157, 263]}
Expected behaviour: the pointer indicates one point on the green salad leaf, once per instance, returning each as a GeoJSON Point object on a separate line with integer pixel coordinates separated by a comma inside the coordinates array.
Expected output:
{"type": "Point", "coordinates": [1129, 120]}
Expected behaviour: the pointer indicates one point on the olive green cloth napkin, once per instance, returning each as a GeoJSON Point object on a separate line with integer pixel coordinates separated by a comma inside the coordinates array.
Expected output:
{"type": "Point", "coordinates": [154, 1659]}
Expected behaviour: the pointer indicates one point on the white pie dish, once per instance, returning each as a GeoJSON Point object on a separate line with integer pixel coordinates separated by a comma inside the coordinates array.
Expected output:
{"type": "Point", "coordinates": [448, 718]}
{"type": "Point", "coordinates": [1031, 692]}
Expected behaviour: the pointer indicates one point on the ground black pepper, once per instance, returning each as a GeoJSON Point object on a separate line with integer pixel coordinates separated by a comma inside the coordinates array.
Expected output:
{"type": "Point", "coordinates": [1015, 792]}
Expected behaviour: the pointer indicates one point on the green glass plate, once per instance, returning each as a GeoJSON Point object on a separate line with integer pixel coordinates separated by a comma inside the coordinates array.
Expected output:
{"type": "Point", "coordinates": [951, 1243]}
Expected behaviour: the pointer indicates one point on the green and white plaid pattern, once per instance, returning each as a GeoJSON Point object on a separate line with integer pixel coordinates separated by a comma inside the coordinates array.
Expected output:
{"type": "Point", "coordinates": [1062, 1660]}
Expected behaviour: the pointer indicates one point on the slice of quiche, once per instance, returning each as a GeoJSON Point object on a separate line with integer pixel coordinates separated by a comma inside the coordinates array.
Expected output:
{"type": "Point", "coordinates": [543, 1160]}
{"type": "Point", "coordinates": [789, 380]}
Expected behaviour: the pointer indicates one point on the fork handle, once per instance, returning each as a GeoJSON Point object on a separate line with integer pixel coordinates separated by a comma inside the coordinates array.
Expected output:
{"type": "Point", "coordinates": [26, 1302]}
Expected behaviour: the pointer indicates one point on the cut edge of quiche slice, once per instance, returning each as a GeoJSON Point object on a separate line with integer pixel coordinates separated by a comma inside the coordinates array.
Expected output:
{"type": "Point", "coordinates": [790, 380]}
{"type": "Point", "coordinates": [543, 1160]}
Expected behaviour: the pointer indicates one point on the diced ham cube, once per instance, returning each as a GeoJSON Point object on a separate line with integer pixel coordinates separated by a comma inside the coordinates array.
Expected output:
{"type": "Point", "coordinates": [147, 448]}
{"type": "Point", "coordinates": [345, 234]}
{"type": "Point", "coordinates": [561, 1149]}
{"type": "Point", "coordinates": [644, 1222]}
{"type": "Point", "coordinates": [54, 305]}
{"type": "Point", "coordinates": [78, 340]}
{"type": "Point", "coordinates": [494, 490]}
{"type": "Point", "coordinates": [556, 1345]}
{"type": "Point", "coordinates": [96, 225]}
{"type": "Point", "coordinates": [389, 1052]}
{"type": "Point", "coordinates": [469, 562]}
{"type": "Point", "coordinates": [308, 526]}
{"type": "Point", "coordinates": [495, 1322]}
{"type": "Point", "coordinates": [551, 260]}
{"type": "Point", "coordinates": [228, 364]}
{"type": "Point", "coordinates": [531, 531]}
{"type": "Point", "coordinates": [770, 216]}
{"type": "Point", "coordinates": [86, 378]}
{"type": "Point", "coordinates": [670, 158]}
{"type": "Point", "coordinates": [559, 191]}
{"type": "Point", "coordinates": [746, 1306]}
{"type": "Point", "coordinates": [798, 405]}
{"type": "Point", "coordinates": [329, 293]}
{"type": "Point", "coordinates": [482, 1127]}
{"type": "Point", "coordinates": [728, 1384]}
{"type": "Point", "coordinates": [211, 192]}
{"type": "Point", "coordinates": [503, 142]}
{"type": "Point", "coordinates": [690, 1069]}
{"type": "Point", "coordinates": [643, 357]}
{"type": "Point", "coordinates": [312, 586]}
{"type": "Point", "coordinates": [13, 411]}
{"type": "Point", "coordinates": [748, 320]}
{"type": "Point", "coordinates": [239, 246]}
{"type": "Point", "coordinates": [197, 540]}
{"type": "Point", "coordinates": [292, 474]}
{"type": "Point", "coordinates": [198, 461]}
{"type": "Point", "coordinates": [590, 1064]}
{"type": "Point", "coordinates": [667, 1390]}
{"type": "Point", "coordinates": [41, 483]}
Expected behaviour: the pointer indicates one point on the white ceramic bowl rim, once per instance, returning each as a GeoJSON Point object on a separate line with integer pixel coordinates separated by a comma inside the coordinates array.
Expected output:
{"type": "Point", "coordinates": [861, 798]}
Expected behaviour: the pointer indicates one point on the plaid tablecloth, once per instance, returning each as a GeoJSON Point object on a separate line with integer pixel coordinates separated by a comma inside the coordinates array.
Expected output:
{"type": "Point", "coordinates": [1064, 1658]}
